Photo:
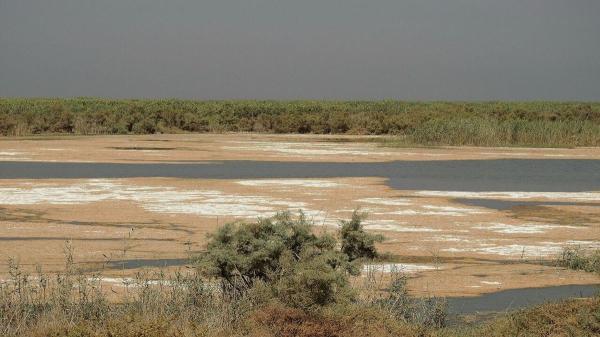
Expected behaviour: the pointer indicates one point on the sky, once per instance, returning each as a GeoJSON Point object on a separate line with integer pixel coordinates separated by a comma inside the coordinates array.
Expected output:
{"type": "Point", "coordinates": [302, 49]}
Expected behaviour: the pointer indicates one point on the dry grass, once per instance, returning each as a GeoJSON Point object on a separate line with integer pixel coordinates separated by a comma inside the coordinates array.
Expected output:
{"type": "Point", "coordinates": [577, 318]}
{"type": "Point", "coordinates": [578, 259]}
{"type": "Point", "coordinates": [76, 304]}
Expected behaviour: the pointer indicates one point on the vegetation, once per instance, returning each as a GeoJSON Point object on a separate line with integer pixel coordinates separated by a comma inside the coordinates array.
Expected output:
{"type": "Point", "coordinates": [356, 243]}
{"type": "Point", "coordinates": [294, 265]}
{"type": "Point", "coordinates": [579, 259]}
{"type": "Point", "coordinates": [411, 123]}
{"type": "Point", "coordinates": [275, 277]}
{"type": "Point", "coordinates": [254, 276]}
{"type": "Point", "coordinates": [580, 317]}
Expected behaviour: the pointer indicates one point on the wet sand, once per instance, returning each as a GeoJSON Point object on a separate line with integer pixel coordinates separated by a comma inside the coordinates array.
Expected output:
{"type": "Point", "coordinates": [470, 250]}
{"type": "Point", "coordinates": [255, 147]}
{"type": "Point", "coordinates": [459, 227]}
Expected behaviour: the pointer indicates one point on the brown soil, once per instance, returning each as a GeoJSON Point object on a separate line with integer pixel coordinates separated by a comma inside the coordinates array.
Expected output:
{"type": "Point", "coordinates": [209, 147]}
{"type": "Point", "coordinates": [473, 250]}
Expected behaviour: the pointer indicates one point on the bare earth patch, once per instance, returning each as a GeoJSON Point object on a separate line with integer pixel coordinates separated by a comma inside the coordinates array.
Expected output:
{"type": "Point", "coordinates": [210, 147]}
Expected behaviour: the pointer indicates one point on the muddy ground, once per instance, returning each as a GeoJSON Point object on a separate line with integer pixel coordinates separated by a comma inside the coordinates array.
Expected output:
{"type": "Point", "coordinates": [210, 147]}
{"type": "Point", "coordinates": [450, 242]}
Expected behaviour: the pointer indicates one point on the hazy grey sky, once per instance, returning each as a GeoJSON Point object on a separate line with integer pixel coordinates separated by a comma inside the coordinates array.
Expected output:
{"type": "Point", "coordinates": [286, 49]}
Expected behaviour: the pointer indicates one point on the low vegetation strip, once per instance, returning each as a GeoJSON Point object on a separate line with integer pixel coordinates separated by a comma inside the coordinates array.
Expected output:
{"type": "Point", "coordinates": [579, 259]}
{"type": "Point", "coordinates": [411, 123]}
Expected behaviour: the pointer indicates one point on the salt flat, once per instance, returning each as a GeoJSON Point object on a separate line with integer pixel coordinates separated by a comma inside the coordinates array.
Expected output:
{"type": "Point", "coordinates": [119, 212]}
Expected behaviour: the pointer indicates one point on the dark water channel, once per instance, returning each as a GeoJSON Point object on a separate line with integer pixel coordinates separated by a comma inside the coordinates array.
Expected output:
{"type": "Point", "coordinates": [460, 175]}
{"type": "Point", "coordinates": [513, 299]}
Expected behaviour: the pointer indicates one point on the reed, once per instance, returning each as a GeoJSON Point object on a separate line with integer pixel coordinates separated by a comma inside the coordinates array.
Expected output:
{"type": "Point", "coordinates": [562, 124]}
{"type": "Point", "coordinates": [579, 259]}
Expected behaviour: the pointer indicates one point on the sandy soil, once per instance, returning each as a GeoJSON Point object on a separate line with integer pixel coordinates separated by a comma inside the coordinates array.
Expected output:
{"type": "Point", "coordinates": [448, 248]}
{"type": "Point", "coordinates": [211, 147]}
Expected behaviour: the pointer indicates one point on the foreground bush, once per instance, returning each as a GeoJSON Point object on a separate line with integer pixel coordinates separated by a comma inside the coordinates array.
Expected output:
{"type": "Point", "coordinates": [298, 267]}
{"type": "Point", "coordinates": [446, 123]}
{"type": "Point", "coordinates": [274, 277]}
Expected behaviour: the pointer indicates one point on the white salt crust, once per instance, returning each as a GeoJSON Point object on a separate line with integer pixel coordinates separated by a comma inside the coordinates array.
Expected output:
{"type": "Point", "coordinates": [385, 201]}
{"type": "Point", "coordinates": [395, 226]}
{"type": "Point", "coordinates": [290, 182]}
{"type": "Point", "coordinates": [521, 229]}
{"type": "Point", "coordinates": [162, 199]}
{"type": "Point", "coordinates": [577, 196]}
{"type": "Point", "coordinates": [436, 211]}
{"type": "Point", "coordinates": [510, 250]}
{"type": "Point", "coordinates": [397, 267]}
{"type": "Point", "coordinates": [12, 155]}
{"type": "Point", "coordinates": [307, 148]}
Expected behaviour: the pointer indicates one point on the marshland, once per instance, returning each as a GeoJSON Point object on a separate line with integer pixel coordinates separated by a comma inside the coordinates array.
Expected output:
{"type": "Point", "coordinates": [110, 235]}
{"type": "Point", "coordinates": [537, 124]}
{"type": "Point", "coordinates": [269, 168]}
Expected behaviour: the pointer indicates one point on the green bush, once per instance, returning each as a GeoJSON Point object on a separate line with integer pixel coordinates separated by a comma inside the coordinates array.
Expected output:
{"type": "Point", "coordinates": [356, 243]}
{"type": "Point", "coordinates": [301, 269]}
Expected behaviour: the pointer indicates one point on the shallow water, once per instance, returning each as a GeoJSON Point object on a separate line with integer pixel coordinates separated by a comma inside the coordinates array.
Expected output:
{"type": "Point", "coordinates": [461, 175]}
{"type": "Point", "coordinates": [513, 299]}
{"type": "Point", "coordinates": [502, 205]}
{"type": "Point", "coordinates": [464, 175]}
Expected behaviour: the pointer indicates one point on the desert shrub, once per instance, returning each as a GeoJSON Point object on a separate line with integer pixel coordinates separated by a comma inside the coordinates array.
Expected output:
{"type": "Point", "coordinates": [356, 243]}
{"type": "Point", "coordinates": [246, 252]}
{"type": "Point", "coordinates": [302, 269]}
{"type": "Point", "coordinates": [314, 281]}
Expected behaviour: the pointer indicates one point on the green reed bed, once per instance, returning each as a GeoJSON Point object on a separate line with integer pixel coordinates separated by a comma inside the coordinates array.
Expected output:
{"type": "Point", "coordinates": [411, 123]}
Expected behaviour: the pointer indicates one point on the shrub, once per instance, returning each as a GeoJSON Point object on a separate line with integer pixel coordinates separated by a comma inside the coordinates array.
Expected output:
{"type": "Point", "coordinates": [356, 243]}
{"type": "Point", "coordinates": [302, 269]}
{"type": "Point", "coordinates": [314, 281]}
